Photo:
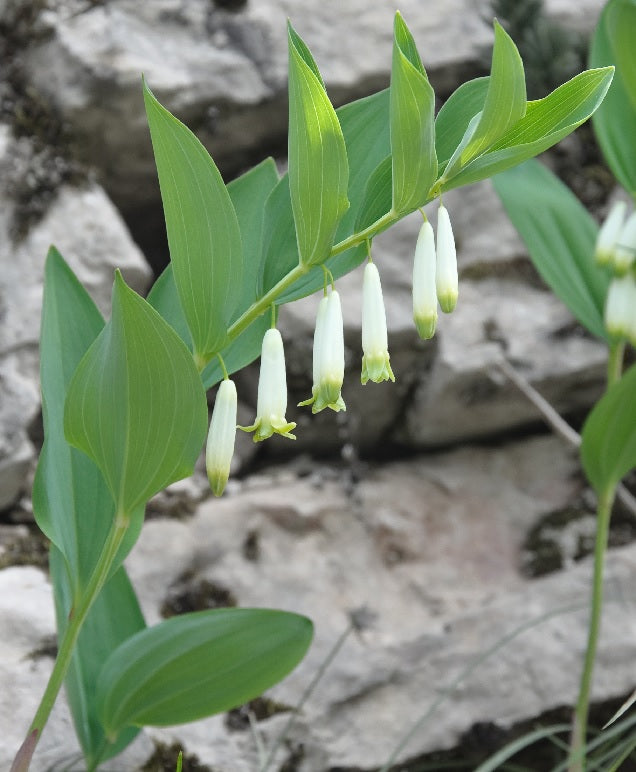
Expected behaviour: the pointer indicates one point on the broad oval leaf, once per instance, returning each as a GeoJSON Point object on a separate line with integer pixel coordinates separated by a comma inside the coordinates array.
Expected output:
{"type": "Point", "coordinates": [71, 501]}
{"type": "Point", "coordinates": [113, 618]}
{"type": "Point", "coordinates": [365, 125]}
{"type": "Point", "coordinates": [203, 230]}
{"type": "Point", "coordinates": [615, 120]}
{"type": "Point", "coordinates": [560, 236]}
{"type": "Point", "coordinates": [412, 124]}
{"type": "Point", "coordinates": [504, 104]}
{"type": "Point", "coordinates": [318, 167]}
{"type": "Point", "coordinates": [136, 405]}
{"type": "Point", "coordinates": [608, 439]}
{"type": "Point", "coordinates": [198, 664]}
{"type": "Point", "coordinates": [249, 192]}
{"type": "Point", "coordinates": [377, 196]}
{"type": "Point", "coordinates": [242, 351]}
{"type": "Point", "coordinates": [455, 115]}
{"type": "Point", "coordinates": [545, 123]}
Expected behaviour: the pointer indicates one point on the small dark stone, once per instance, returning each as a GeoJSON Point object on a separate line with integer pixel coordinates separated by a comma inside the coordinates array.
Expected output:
{"type": "Point", "coordinates": [164, 759]}
{"type": "Point", "coordinates": [261, 708]}
{"type": "Point", "coordinates": [251, 546]}
{"type": "Point", "coordinates": [204, 594]}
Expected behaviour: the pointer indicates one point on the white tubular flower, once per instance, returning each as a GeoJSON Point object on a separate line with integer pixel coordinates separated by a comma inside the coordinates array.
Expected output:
{"type": "Point", "coordinates": [446, 274]}
{"type": "Point", "coordinates": [220, 446]}
{"type": "Point", "coordinates": [620, 307]}
{"type": "Point", "coordinates": [272, 391]}
{"type": "Point", "coordinates": [424, 290]}
{"type": "Point", "coordinates": [328, 357]}
{"type": "Point", "coordinates": [609, 233]}
{"type": "Point", "coordinates": [625, 248]}
{"type": "Point", "coordinates": [375, 360]}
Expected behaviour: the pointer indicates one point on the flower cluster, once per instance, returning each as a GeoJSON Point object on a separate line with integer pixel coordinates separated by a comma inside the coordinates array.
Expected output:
{"type": "Point", "coordinates": [434, 274]}
{"type": "Point", "coordinates": [616, 249]}
{"type": "Point", "coordinates": [434, 281]}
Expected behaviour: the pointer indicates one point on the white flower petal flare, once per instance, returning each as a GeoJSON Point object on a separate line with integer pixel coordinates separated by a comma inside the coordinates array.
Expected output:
{"type": "Point", "coordinates": [446, 273]}
{"type": "Point", "coordinates": [220, 445]}
{"type": "Point", "coordinates": [375, 359]}
{"type": "Point", "coordinates": [272, 392]}
{"type": "Point", "coordinates": [424, 289]}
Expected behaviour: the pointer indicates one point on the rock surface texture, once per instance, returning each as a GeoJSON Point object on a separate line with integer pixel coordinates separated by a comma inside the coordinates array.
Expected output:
{"type": "Point", "coordinates": [441, 517]}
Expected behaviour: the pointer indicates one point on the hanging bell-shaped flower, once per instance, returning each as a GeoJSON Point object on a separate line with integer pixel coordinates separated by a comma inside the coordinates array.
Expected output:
{"type": "Point", "coordinates": [375, 359]}
{"type": "Point", "coordinates": [220, 446]}
{"type": "Point", "coordinates": [608, 234]}
{"type": "Point", "coordinates": [424, 290]}
{"type": "Point", "coordinates": [272, 391]}
{"type": "Point", "coordinates": [625, 247]}
{"type": "Point", "coordinates": [328, 356]}
{"type": "Point", "coordinates": [446, 273]}
{"type": "Point", "coordinates": [620, 308]}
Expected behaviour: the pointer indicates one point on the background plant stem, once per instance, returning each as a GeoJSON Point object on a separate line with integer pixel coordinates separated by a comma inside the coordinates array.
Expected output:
{"type": "Point", "coordinates": [76, 619]}
{"type": "Point", "coordinates": [604, 513]}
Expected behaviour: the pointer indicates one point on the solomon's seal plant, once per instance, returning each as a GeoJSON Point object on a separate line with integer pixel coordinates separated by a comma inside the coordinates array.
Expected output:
{"type": "Point", "coordinates": [124, 401]}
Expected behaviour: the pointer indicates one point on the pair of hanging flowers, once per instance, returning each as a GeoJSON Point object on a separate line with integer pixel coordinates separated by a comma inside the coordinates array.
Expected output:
{"type": "Point", "coordinates": [434, 280]}
{"type": "Point", "coordinates": [616, 249]}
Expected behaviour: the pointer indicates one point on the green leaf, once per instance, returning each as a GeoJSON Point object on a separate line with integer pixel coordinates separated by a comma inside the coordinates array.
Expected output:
{"type": "Point", "coordinates": [365, 126]}
{"type": "Point", "coordinates": [545, 123]}
{"type": "Point", "coordinates": [560, 236]}
{"type": "Point", "coordinates": [615, 120]}
{"type": "Point", "coordinates": [619, 19]}
{"type": "Point", "coordinates": [412, 123]}
{"type": "Point", "coordinates": [249, 194]}
{"type": "Point", "coordinates": [455, 115]}
{"type": "Point", "coordinates": [318, 168]}
{"type": "Point", "coordinates": [198, 664]}
{"type": "Point", "coordinates": [504, 105]}
{"type": "Point", "coordinates": [136, 405]}
{"type": "Point", "coordinates": [71, 501]}
{"type": "Point", "coordinates": [114, 617]}
{"type": "Point", "coordinates": [608, 440]}
{"type": "Point", "coordinates": [378, 195]}
{"type": "Point", "coordinates": [203, 231]}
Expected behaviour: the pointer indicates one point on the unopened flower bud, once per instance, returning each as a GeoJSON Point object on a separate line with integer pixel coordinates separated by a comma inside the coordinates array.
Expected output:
{"type": "Point", "coordinates": [620, 308]}
{"type": "Point", "coordinates": [446, 274]}
{"type": "Point", "coordinates": [375, 360]}
{"type": "Point", "coordinates": [625, 248]}
{"type": "Point", "coordinates": [328, 356]}
{"type": "Point", "coordinates": [424, 290]}
{"type": "Point", "coordinates": [608, 234]}
{"type": "Point", "coordinates": [220, 445]}
{"type": "Point", "coordinates": [272, 391]}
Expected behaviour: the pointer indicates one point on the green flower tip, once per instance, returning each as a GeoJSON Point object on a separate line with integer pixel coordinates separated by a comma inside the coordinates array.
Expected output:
{"type": "Point", "coordinates": [426, 325]}
{"type": "Point", "coordinates": [447, 301]}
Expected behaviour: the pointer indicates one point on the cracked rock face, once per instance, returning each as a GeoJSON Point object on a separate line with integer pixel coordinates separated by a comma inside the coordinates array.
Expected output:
{"type": "Point", "coordinates": [424, 555]}
{"type": "Point", "coordinates": [87, 229]}
{"type": "Point", "coordinates": [428, 555]}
